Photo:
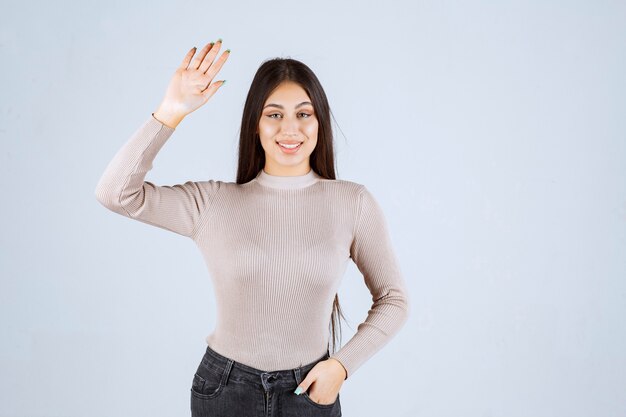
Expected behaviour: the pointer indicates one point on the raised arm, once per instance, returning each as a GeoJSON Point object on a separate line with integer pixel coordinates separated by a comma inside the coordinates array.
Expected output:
{"type": "Point", "coordinates": [372, 252]}
{"type": "Point", "coordinates": [122, 187]}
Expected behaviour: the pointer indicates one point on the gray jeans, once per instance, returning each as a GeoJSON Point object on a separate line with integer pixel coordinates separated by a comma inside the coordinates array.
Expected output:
{"type": "Point", "coordinates": [222, 387]}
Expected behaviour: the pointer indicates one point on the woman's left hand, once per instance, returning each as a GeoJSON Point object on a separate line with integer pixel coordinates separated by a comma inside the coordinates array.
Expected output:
{"type": "Point", "coordinates": [325, 380]}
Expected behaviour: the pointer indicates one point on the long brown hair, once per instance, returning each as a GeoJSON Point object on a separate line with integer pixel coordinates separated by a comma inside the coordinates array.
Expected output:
{"type": "Point", "coordinates": [251, 158]}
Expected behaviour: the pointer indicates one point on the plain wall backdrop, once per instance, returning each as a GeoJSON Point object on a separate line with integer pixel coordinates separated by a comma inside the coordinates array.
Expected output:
{"type": "Point", "coordinates": [492, 133]}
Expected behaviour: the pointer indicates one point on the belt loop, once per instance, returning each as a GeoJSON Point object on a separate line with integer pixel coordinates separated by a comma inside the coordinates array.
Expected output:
{"type": "Point", "coordinates": [228, 368]}
{"type": "Point", "coordinates": [296, 374]}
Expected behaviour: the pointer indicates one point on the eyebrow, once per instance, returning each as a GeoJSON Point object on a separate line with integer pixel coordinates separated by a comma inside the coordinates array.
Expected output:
{"type": "Point", "coordinates": [282, 107]}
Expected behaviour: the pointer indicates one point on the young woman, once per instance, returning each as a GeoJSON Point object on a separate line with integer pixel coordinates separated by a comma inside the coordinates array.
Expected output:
{"type": "Point", "coordinates": [276, 242]}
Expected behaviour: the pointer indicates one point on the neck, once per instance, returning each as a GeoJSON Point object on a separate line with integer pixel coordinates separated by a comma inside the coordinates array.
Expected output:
{"type": "Point", "coordinates": [287, 182]}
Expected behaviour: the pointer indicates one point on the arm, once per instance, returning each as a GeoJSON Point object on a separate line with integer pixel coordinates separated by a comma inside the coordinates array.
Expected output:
{"type": "Point", "coordinates": [372, 252]}
{"type": "Point", "coordinates": [178, 208]}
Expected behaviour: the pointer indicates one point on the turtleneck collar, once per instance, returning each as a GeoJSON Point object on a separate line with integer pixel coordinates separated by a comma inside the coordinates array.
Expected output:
{"type": "Point", "coordinates": [287, 182]}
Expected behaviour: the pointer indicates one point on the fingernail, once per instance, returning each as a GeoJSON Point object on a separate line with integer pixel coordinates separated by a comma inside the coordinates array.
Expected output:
{"type": "Point", "coordinates": [298, 391]}
{"type": "Point", "coordinates": [212, 43]}
{"type": "Point", "coordinates": [219, 40]}
{"type": "Point", "coordinates": [228, 50]}
{"type": "Point", "coordinates": [223, 82]}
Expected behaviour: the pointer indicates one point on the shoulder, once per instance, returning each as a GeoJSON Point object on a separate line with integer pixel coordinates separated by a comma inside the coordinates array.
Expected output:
{"type": "Point", "coordinates": [351, 188]}
{"type": "Point", "coordinates": [363, 198]}
{"type": "Point", "coordinates": [357, 192]}
{"type": "Point", "coordinates": [214, 186]}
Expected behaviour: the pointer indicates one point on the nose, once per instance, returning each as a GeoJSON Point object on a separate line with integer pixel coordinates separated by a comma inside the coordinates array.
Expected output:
{"type": "Point", "coordinates": [290, 127]}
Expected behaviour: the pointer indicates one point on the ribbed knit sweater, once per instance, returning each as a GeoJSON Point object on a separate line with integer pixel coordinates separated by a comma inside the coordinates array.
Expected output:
{"type": "Point", "coordinates": [276, 249]}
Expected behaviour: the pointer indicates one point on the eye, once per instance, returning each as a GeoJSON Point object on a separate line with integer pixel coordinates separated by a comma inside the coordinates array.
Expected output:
{"type": "Point", "coordinates": [306, 114]}
{"type": "Point", "coordinates": [273, 114]}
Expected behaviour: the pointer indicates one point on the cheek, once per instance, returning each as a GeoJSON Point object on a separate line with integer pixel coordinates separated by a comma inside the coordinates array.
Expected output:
{"type": "Point", "coordinates": [311, 129]}
{"type": "Point", "coordinates": [267, 132]}
{"type": "Point", "coordinates": [311, 133]}
{"type": "Point", "coordinates": [266, 128]}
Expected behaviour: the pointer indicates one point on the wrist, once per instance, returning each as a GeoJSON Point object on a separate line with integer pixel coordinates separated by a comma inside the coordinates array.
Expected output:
{"type": "Point", "coordinates": [168, 117]}
{"type": "Point", "coordinates": [340, 366]}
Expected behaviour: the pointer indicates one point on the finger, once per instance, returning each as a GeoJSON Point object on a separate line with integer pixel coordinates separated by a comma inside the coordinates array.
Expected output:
{"type": "Point", "coordinates": [304, 385]}
{"type": "Point", "coordinates": [210, 90]}
{"type": "Point", "coordinates": [208, 59]}
{"type": "Point", "coordinates": [187, 58]}
{"type": "Point", "coordinates": [198, 60]}
{"type": "Point", "coordinates": [214, 69]}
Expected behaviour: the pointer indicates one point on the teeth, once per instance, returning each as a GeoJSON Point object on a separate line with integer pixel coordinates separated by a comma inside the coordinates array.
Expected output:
{"type": "Point", "coordinates": [284, 145]}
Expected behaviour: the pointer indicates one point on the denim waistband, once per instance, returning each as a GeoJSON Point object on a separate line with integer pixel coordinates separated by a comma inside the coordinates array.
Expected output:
{"type": "Point", "coordinates": [244, 373]}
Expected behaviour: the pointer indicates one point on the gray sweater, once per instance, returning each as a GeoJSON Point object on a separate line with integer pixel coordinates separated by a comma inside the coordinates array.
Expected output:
{"type": "Point", "coordinates": [276, 249]}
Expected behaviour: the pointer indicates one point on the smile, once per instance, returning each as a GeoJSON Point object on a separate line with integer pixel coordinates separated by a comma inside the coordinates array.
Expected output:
{"type": "Point", "coordinates": [289, 148]}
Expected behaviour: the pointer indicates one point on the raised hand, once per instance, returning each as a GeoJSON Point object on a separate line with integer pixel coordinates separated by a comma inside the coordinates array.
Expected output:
{"type": "Point", "coordinates": [191, 86]}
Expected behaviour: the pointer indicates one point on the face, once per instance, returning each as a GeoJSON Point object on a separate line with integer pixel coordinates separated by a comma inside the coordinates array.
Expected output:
{"type": "Point", "coordinates": [288, 119]}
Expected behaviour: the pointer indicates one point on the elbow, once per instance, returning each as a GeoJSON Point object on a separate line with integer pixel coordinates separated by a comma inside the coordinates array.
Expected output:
{"type": "Point", "coordinates": [407, 312]}
{"type": "Point", "coordinates": [107, 196]}
{"type": "Point", "coordinates": [403, 311]}
{"type": "Point", "coordinates": [118, 200]}
{"type": "Point", "coordinates": [398, 301]}
{"type": "Point", "coordinates": [104, 199]}
{"type": "Point", "coordinates": [404, 307]}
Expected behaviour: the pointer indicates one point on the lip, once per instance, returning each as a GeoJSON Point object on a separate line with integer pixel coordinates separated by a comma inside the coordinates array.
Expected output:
{"type": "Point", "coordinates": [289, 151]}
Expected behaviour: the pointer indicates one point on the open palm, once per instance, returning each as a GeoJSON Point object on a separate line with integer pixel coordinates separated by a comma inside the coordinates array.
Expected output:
{"type": "Point", "coordinates": [190, 86]}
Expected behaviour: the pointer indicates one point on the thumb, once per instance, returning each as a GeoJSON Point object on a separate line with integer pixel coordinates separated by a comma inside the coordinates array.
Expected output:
{"type": "Point", "coordinates": [305, 384]}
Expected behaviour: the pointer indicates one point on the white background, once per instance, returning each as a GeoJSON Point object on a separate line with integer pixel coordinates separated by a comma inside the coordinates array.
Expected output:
{"type": "Point", "coordinates": [492, 133]}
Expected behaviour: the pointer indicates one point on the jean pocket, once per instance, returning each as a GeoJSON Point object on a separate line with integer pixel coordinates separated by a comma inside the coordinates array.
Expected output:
{"type": "Point", "coordinates": [207, 382]}
{"type": "Point", "coordinates": [309, 399]}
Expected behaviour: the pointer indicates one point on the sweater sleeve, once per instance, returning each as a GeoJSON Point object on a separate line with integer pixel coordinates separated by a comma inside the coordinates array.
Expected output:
{"type": "Point", "coordinates": [372, 252]}
{"type": "Point", "coordinates": [178, 208]}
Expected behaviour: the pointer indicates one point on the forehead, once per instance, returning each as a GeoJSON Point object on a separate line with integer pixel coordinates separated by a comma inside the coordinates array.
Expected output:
{"type": "Point", "coordinates": [288, 92]}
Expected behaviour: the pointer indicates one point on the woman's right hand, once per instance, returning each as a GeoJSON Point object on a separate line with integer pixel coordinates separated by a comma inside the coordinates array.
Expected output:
{"type": "Point", "coordinates": [191, 87]}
